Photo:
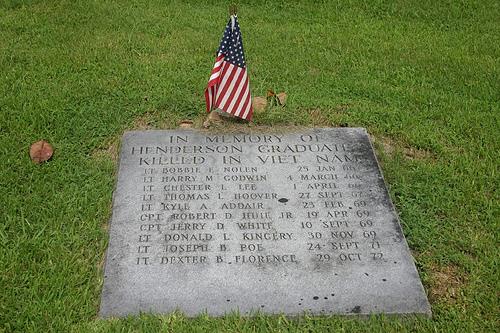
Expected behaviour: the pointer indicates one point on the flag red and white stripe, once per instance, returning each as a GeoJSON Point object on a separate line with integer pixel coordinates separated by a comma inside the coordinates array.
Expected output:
{"type": "Point", "coordinates": [228, 88]}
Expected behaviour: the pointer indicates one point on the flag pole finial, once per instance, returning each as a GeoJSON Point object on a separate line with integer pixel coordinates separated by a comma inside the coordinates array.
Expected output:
{"type": "Point", "coordinates": [233, 10]}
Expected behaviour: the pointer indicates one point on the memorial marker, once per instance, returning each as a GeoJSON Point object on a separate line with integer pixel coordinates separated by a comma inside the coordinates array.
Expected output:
{"type": "Point", "coordinates": [272, 222]}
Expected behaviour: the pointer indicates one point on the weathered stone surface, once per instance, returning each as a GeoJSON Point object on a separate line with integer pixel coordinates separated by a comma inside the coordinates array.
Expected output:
{"type": "Point", "coordinates": [278, 223]}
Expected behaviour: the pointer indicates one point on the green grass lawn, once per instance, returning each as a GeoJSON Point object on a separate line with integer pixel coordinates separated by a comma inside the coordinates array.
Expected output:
{"type": "Point", "coordinates": [422, 76]}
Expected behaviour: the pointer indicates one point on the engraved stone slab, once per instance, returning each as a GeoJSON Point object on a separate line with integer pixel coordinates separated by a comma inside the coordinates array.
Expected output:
{"type": "Point", "coordinates": [273, 222]}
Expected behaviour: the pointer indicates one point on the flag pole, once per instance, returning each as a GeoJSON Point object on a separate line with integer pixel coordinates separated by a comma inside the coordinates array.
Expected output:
{"type": "Point", "coordinates": [233, 10]}
{"type": "Point", "coordinates": [228, 88]}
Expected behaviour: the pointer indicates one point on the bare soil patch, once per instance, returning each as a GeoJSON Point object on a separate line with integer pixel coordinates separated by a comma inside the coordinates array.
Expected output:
{"type": "Point", "coordinates": [329, 117]}
{"type": "Point", "coordinates": [446, 283]}
{"type": "Point", "coordinates": [392, 147]}
{"type": "Point", "coordinates": [109, 150]}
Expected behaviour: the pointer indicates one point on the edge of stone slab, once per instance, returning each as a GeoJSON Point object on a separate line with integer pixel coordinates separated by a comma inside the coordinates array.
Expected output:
{"type": "Point", "coordinates": [351, 315]}
{"type": "Point", "coordinates": [245, 130]}
{"type": "Point", "coordinates": [102, 307]}
{"type": "Point", "coordinates": [427, 306]}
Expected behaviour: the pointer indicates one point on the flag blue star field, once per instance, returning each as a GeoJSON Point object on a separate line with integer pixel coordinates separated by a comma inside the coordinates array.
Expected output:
{"type": "Point", "coordinates": [228, 88]}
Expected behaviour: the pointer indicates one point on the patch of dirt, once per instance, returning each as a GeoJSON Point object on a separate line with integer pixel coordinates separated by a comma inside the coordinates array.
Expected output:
{"type": "Point", "coordinates": [102, 261]}
{"type": "Point", "coordinates": [388, 145]}
{"type": "Point", "coordinates": [320, 117]}
{"type": "Point", "coordinates": [110, 150]}
{"type": "Point", "coordinates": [416, 154]}
{"type": "Point", "coordinates": [155, 119]}
{"type": "Point", "coordinates": [445, 284]}
{"type": "Point", "coordinates": [144, 122]}
{"type": "Point", "coordinates": [342, 107]}
{"type": "Point", "coordinates": [235, 125]}
{"type": "Point", "coordinates": [314, 71]}
{"type": "Point", "coordinates": [391, 147]}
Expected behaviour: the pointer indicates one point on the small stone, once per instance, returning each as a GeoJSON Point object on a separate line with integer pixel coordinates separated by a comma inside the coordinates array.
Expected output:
{"type": "Point", "coordinates": [259, 104]}
{"type": "Point", "coordinates": [214, 116]}
{"type": "Point", "coordinates": [186, 124]}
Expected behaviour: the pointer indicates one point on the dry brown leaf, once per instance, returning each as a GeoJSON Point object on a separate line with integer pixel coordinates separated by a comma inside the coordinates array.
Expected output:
{"type": "Point", "coordinates": [186, 124]}
{"type": "Point", "coordinates": [259, 104]}
{"type": "Point", "coordinates": [282, 96]}
{"type": "Point", "coordinates": [270, 93]}
{"type": "Point", "coordinates": [41, 151]}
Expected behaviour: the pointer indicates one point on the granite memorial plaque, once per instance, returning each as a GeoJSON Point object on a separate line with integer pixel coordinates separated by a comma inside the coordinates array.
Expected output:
{"type": "Point", "coordinates": [274, 222]}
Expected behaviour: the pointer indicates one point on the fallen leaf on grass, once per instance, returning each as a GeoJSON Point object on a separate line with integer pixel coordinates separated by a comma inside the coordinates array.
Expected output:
{"type": "Point", "coordinates": [276, 99]}
{"type": "Point", "coordinates": [259, 104]}
{"type": "Point", "coordinates": [41, 151]}
{"type": "Point", "coordinates": [282, 96]}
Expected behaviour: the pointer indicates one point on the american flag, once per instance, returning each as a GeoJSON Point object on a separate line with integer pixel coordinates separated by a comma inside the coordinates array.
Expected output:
{"type": "Point", "coordinates": [228, 88]}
